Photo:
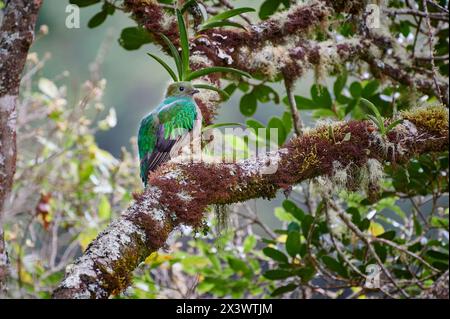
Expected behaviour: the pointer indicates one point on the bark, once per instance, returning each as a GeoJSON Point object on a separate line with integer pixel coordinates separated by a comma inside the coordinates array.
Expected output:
{"type": "Point", "coordinates": [180, 192]}
{"type": "Point", "coordinates": [16, 37]}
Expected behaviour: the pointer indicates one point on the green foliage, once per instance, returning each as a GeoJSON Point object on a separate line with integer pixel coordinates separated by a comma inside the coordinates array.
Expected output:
{"type": "Point", "coordinates": [221, 19]}
{"type": "Point", "coordinates": [84, 3]}
{"type": "Point", "coordinates": [269, 7]}
{"type": "Point", "coordinates": [133, 38]}
{"type": "Point", "coordinates": [81, 186]}
{"type": "Point", "coordinates": [182, 62]}
{"type": "Point", "coordinates": [309, 247]}
{"type": "Point", "coordinates": [100, 17]}
{"type": "Point", "coordinates": [378, 119]}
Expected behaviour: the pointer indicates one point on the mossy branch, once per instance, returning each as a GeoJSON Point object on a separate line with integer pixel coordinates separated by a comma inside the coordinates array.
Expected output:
{"type": "Point", "coordinates": [16, 37]}
{"type": "Point", "coordinates": [179, 193]}
{"type": "Point", "coordinates": [280, 46]}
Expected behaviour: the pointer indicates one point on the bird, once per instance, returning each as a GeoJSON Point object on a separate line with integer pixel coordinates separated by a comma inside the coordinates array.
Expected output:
{"type": "Point", "coordinates": [173, 124]}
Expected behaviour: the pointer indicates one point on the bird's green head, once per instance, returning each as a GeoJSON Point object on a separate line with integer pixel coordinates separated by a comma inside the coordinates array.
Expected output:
{"type": "Point", "coordinates": [181, 89]}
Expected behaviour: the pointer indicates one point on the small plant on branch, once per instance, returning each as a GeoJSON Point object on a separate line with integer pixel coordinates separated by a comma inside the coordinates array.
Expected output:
{"type": "Point", "coordinates": [378, 120]}
{"type": "Point", "coordinates": [182, 62]}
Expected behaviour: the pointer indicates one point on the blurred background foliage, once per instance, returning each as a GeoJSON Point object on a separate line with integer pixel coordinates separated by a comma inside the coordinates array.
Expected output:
{"type": "Point", "coordinates": [82, 98]}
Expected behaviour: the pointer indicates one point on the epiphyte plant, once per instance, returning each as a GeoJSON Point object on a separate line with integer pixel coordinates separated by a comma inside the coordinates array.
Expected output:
{"type": "Point", "coordinates": [184, 73]}
{"type": "Point", "coordinates": [378, 120]}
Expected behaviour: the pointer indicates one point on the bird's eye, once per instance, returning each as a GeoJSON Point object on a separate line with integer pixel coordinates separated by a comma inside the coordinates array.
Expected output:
{"type": "Point", "coordinates": [181, 88]}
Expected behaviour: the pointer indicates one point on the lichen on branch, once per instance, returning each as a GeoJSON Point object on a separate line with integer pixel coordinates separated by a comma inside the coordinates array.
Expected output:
{"type": "Point", "coordinates": [180, 192]}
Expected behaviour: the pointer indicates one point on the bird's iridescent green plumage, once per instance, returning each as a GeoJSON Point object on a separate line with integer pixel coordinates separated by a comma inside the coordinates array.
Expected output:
{"type": "Point", "coordinates": [163, 128]}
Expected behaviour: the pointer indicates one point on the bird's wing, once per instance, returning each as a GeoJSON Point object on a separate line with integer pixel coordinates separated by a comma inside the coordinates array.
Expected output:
{"type": "Point", "coordinates": [173, 123]}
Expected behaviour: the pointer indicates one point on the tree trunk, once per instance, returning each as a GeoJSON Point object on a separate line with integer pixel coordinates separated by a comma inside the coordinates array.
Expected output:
{"type": "Point", "coordinates": [16, 37]}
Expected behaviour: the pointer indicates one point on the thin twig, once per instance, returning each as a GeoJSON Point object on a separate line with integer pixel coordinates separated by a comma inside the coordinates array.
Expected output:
{"type": "Point", "coordinates": [430, 42]}
{"type": "Point", "coordinates": [417, 13]}
{"type": "Point", "coordinates": [406, 251]}
{"type": "Point", "coordinates": [296, 119]}
{"type": "Point", "coordinates": [338, 249]}
{"type": "Point", "coordinates": [371, 249]}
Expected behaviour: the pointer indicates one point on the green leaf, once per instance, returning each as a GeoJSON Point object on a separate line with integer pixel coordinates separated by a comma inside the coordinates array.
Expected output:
{"type": "Point", "coordinates": [268, 8]}
{"type": "Point", "coordinates": [104, 208]}
{"type": "Point", "coordinates": [220, 24]}
{"type": "Point", "coordinates": [356, 216]}
{"type": "Point", "coordinates": [304, 103]}
{"type": "Point", "coordinates": [215, 69]}
{"type": "Point", "coordinates": [184, 40]}
{"type": "Point", "coordinates": [133, 38]}
{"type": "Point", "coordinates": [97, 19]}
{"type": "Point", "coordinates": [391, 126]}
{"type": "Point", "coordinates": [248, 104]}
{"type": "Point", "coordinates": [376, 122]}
{"type": "Point", "coordinates": [306, 273]}
{"type": "Point", "coordinates": [356, 89]}
{"type": "Point", "coordinates": [306, 225]}
{"type": "Point", "coordinates": [243, 86]}
{"type": "Point", "coordinates": [83, 3]}
{"type": "Point", "coordinates": [293, 243]}
{"type": "Point", "coordinates": [293, 226]}
{"type": "Point", "coordinates": [437, 255]}
{"type": "Point", "coordinates": [265, 93]}
{"type": "Point", "coordinates": [217, 125]}
{"type": "Point", "coordinates": [365, 224]}
{"type": "Point", "coordinates": [249, 243]}
{"type": "Point", "coordinates": [321, 96]}
{"type": "Point", "coordinates": [372, 107]}
{"type": "Point", "coordinates": [439, 222]}
{"type": "Point", "coordinates": [277, 274]}
{"type": "Point", "coordinates": [389, 235]}
{"type": "Point", "coordinates": [230, 13]}
{"type": "Point", "coordinates": [164, 64]}
{"type": "Point", "coordinates": [335, 266]}
{"type": "Point", "coordinates": [283, 215]}
{"type": "Point", "coordinates": [254, 124]}
{"type": "Point", "coordinates": [283, 289]}
{"type": "Point", "coordinates": [275, 255]}
{"type": "Point", "coordinates": [222, 93]}
{"type": "Point", "coordinates": [175, 55]}
{"type": "Point", "coordinates": [339, 84]}
{"type": "Point", "coordinates": [239, 266]}
{"type": "Point", "coordinates": [85, 170]}
{"type": "Point", "coordinates": [230, 88]}
{"type": "Point", "coordinates": [277, 123]}
{"type": "Point", "coordinates": [292, 208]}
{"type": "Point", "coordinates": [370, 89]}
{"type": "Point", "coordinates": [214, 261]}
{"type": "Point", "coordinates": [109, 8]}
{"type": "Point", "coordinates": [381, 251]}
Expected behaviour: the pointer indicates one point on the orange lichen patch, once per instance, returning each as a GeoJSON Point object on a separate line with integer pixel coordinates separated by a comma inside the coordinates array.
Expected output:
{"type": "Point", "coordinates": [433, 118]}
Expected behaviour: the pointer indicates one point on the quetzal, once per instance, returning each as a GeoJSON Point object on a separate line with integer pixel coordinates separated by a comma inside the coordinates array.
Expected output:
{"type": "Point", "coordinates": [172, 125]}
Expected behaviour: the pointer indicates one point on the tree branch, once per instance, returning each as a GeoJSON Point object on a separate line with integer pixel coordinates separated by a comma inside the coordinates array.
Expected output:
{"type": "Point", "coordinates": [439, 290]}
{"type": "Point", "coordinates": [16, 36]}
{"type": "Point", "coordinates": [279, 46]}
{"type": "Point", "coordinates": [179, 193]}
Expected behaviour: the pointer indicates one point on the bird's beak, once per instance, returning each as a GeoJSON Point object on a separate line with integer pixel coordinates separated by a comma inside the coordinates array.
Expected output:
{"type": "Point", "coordinates": [195, 91]}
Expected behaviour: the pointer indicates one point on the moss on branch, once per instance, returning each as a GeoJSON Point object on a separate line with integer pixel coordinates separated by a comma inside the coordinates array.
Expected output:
{"type": "Point", "coordinates": [179, 193]}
